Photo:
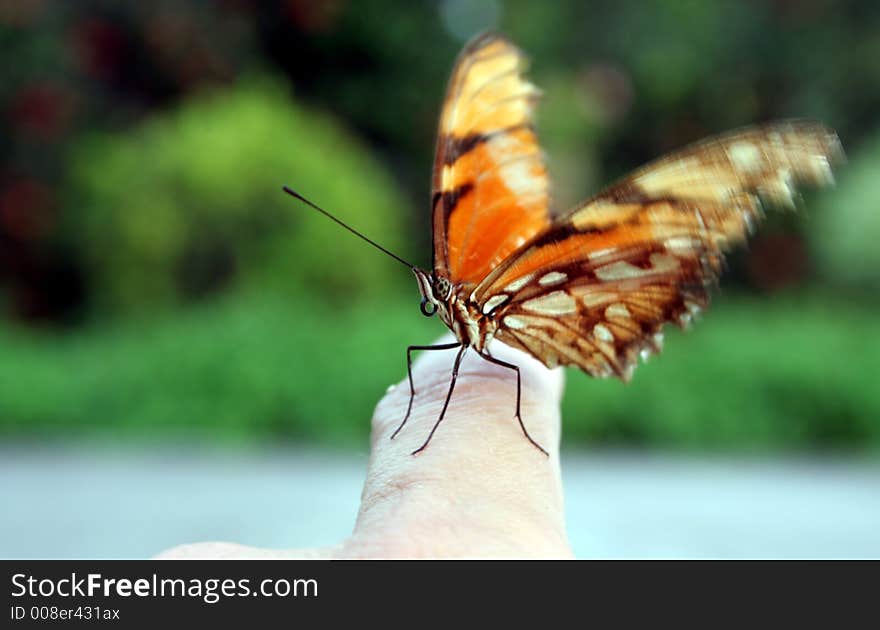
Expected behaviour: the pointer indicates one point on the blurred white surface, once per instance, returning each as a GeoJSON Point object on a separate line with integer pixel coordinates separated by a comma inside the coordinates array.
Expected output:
{"type": "Point", "coordinates": [94, 503]}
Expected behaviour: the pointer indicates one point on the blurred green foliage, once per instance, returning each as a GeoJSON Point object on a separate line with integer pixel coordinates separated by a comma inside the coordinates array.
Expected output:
{"type": "Point", "coordinates": [785, 373]}
{"type": "Point", "coordinates": [190, 203]}
{"type": "Point", "coordinates": [143, 147]}
{"type": "Point", "coordinates": [846, 227]}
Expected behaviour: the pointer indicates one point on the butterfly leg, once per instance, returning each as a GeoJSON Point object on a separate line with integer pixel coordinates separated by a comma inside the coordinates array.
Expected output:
{"type": "Point", "coordinates": [511, 366]}
{"type": "Point", "coordinates": [412, 391]}
{"type": "Point", "coordinates": [458, 357]}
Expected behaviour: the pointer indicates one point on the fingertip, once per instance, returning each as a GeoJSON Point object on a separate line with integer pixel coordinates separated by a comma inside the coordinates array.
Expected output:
{"type": "Point", "coordinates": [547, 383]}
{"type": "Point", "coordinates": [485, 393]}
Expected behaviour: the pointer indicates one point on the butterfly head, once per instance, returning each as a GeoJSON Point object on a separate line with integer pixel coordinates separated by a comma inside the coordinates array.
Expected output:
{"type": "Point", "coordinates": [435, 291]}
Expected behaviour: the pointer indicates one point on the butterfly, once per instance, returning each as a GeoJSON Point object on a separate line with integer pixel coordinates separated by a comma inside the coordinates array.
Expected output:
{"type": "Point", "coordinates": [591, 287]}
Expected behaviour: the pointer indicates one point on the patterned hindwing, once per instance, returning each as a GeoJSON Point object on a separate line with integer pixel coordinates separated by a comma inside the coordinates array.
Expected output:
{"type": "Point", "coordinates": [595, 290]}
{"type": "Point", "coordinates": [490, 185]}
{"type": "Point", "coordinates": [602, 314]}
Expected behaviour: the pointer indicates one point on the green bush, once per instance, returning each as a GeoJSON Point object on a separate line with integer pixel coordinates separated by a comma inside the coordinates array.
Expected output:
{"type": "Point", "coordinates": [190, 202]}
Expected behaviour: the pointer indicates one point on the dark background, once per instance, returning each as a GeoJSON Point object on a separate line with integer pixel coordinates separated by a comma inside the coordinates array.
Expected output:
{"type": "Point", "coordinates": [155, 284]}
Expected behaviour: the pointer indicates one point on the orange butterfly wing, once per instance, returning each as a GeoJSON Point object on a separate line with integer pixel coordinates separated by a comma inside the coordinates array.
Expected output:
{"type": "Point", "coordinates": [595, 289]}
{"type": "Point", "coordinates": [490, 185]}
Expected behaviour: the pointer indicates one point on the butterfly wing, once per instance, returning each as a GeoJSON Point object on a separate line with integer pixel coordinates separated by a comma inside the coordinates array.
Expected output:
{"type": "Point", "coordinates": [595, 289]}
{"type": "Point", "coordinates": [489, 185]}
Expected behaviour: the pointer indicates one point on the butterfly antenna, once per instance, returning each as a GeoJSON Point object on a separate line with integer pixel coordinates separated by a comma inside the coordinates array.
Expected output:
{"type": "Point", "coordinates": [293, 193]}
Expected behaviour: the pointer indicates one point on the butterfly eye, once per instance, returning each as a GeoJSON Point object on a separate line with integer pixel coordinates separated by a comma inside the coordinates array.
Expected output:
{"type": "Point", "coordinates": [428, 308]}
{"type": "Point", "coordinates": [442, 288]}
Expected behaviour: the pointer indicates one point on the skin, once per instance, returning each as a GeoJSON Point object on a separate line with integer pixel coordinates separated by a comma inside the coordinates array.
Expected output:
{"type": "Point", "coordinates": [479, 490]}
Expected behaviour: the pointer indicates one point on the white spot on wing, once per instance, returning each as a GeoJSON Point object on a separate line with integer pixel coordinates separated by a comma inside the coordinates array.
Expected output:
{"type": "Point", "coordinates": [602, 333]}
{"type": "Point", "coordinates": [745, 156]}
{"type": "Point", "coordinates": [518, 177]}
{"type": "Point", "coordinates": [617, 310]}
{"type": "Point", "coordinates": [556, 303]}
{"type": "Point", "coordinates": [620, 270]}
{"type": "Point", "coordinates": [599, 253]}
{"type": "Point", "coordinates": [493, 302]}
{"type": "Point", "coordinates": [518, 284]}
{"type": "Point", "coordinates": [554, 277]}
{"type": "Point", "coordinates": [682, 242]}
{"type": "Point", "coordinates": [447, 175]}
{"type": "Point", "coordinates": [514, 322]}
{"type": "Point", "coordinates": [517, 174]}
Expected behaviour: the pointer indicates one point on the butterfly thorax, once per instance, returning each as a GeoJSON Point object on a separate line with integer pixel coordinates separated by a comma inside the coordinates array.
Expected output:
{"type": "Point", "coordinates": [456, 309]}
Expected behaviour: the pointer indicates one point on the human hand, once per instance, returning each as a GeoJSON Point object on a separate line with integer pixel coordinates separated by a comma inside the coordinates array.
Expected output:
{"type": "Point", "coordinates": [479, 489]}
